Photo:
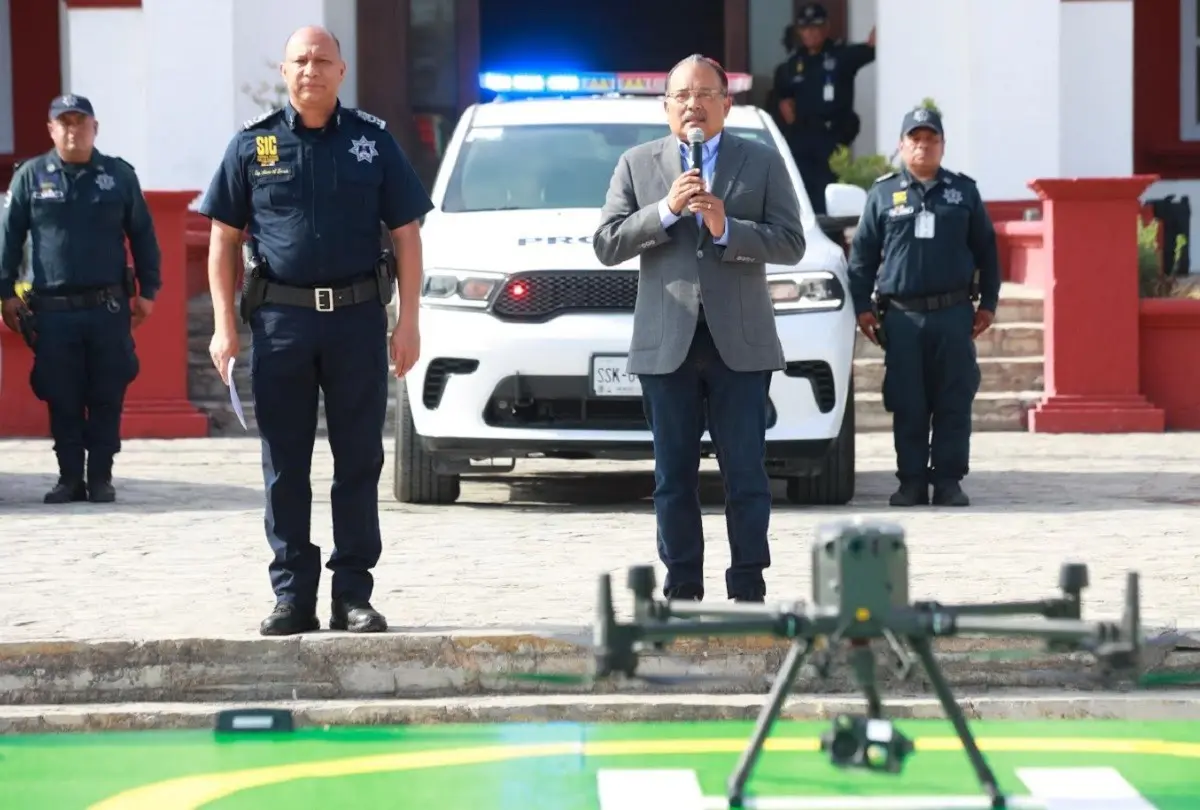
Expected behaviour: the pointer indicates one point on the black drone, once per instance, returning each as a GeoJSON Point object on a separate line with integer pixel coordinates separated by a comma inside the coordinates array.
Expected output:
{"type": "Point", "coordinates": [860, 593]}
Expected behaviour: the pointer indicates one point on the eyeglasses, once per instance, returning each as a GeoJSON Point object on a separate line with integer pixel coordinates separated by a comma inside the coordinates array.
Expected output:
{"type": "Point", "coordinates": [682, 96]}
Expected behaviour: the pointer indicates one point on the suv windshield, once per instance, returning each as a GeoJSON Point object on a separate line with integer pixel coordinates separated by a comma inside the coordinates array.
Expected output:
{"type": "Point", "coordinates": [531, 167]}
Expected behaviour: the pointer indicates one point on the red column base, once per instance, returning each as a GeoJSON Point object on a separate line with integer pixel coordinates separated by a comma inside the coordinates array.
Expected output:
{"type": "Point", "coordinates": [1101, 414]}
{"type": "Point", "coordinates": [163, 419]}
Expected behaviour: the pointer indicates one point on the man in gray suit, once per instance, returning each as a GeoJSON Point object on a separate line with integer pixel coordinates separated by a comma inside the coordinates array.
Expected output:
{"type": "Point", "coordinates": [704, 340]}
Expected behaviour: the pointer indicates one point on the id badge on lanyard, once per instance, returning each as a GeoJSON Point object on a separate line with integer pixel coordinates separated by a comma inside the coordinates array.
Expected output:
{"type": "Point", "coordinates": [923, 228]}
{"type": "Point", "coordinates": [830, 66]}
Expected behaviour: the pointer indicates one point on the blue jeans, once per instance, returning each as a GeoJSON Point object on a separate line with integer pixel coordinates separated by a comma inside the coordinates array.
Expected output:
{"type": "Point", "coordinates": [704, 392]}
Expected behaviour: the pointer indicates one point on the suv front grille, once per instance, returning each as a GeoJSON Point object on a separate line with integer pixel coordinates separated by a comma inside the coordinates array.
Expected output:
{"type": "Point", "coordinates": [539, 296]}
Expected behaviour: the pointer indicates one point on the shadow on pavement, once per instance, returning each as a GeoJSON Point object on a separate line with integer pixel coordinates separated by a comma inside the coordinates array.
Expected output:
{"type": "Point", "coordinates": [141, 496]}
{"type": "Point", "coordinates": [990, 492]}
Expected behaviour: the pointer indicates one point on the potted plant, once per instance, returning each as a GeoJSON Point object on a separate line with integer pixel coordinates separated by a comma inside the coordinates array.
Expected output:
{"type": "Point", "coordinates": [1168, 330]}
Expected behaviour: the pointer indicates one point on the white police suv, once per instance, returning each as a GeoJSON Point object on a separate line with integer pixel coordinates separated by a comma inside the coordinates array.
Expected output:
{"type": "Point", "coordinates": [524, 333]}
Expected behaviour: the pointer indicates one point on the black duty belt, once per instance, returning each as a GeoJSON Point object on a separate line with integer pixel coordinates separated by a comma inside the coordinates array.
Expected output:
{"type": "Point", "coordinates": [86, 299]}
{"type": "Point", "coordinates": [322, 299]}
{"type": "Point", "coordinates": [930, 303]}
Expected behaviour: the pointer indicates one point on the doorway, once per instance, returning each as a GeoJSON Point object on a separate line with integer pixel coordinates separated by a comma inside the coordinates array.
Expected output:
{"type": "Point", "coordinates": [616, 35]}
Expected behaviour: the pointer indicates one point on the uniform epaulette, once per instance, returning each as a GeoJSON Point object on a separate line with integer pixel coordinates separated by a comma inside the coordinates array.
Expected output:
{"type": "Point", "coordinates": [123, 162]}
{"type": "Point", "coordinates": [370, 119]}
{"type": "Point", "coordinates": [966, 177]}
{"type": "Point", "coordinates": [883, 177]}
{"type": "Point", "coordinates": [258, 119]}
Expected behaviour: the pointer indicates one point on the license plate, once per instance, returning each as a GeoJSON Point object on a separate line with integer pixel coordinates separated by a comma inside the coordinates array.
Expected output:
{"type": "Point", "coordinates": [610, 379]}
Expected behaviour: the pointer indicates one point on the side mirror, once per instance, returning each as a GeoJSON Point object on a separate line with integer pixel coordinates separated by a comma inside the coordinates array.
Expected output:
{"type": "Point", "coordinates": [844, 200]}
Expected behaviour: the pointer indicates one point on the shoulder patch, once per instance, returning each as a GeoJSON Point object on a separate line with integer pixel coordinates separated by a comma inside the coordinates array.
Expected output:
{"type": "Point", "coordinates": [370, 119]}
{"type": "Point", "coordinates": [258, 119]}
{"type": "Point", "coordinates": [883, 177]}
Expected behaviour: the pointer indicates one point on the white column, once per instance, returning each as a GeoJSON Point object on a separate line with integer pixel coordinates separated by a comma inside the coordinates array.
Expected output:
{"type": "Point", "coordinates": [862, 18]}
{"type": "Point", "coordinates": [188, 101]}
{"type": "Point", "coordinates": [1022, 87]}
{"type": "Point", "coordinates": [1096, 89]}
{"type": "Point", "coordinates": [108, 64]}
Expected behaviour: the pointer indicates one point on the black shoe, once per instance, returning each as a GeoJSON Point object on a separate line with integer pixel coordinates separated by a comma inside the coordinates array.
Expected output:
{"type": "Point", "coordinates": [101, 492]}
{"type": "Point", "coordinates": [67, 490]}
{"type": "Point", "coordinates": [687, 592]}
{"type": "Point", "coordinates": [758, 598]}
{"type": "Point", "coordinates": [950, 494]}
{"type": "Point", "coordinates": [910, 494]}
{"type": "Point", "coordinates": [356, 616]}
{"type": "Point", "coordinates": [288, 620]}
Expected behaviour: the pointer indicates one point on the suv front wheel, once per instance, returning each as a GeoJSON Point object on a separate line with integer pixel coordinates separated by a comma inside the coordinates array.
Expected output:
{"type": "Point", "coordinates": [416, 480]}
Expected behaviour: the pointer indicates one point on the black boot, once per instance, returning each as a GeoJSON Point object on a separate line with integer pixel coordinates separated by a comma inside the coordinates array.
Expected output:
{"type": "Point", "coordinates": [288, 620]}
{"type": "Point", "coordinates": [910, 493]}
{"type": "Point", "coordinates": [100, 488]}
{"type": "Point", "coordinates": [69, 489]}
{"type": "Point", "coordinates": [356, 616]}
{"type": "Point", "coordinates": [950, 494]}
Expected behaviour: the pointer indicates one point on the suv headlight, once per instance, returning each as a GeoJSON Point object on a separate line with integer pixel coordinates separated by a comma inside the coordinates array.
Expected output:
{"type": "Point", "coordinates": [808, 291]}
{"type": "Point", "coordinates": [466, 289]}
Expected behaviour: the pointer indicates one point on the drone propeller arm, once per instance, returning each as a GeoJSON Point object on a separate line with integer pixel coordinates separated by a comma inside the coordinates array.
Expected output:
{"type": "Point", "coordinates": [780, 625]}
{"type": "Point", "coordinates": [1061, 630]}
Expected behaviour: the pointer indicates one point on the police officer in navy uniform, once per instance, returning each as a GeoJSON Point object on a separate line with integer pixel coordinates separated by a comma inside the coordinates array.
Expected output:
{"type": "Point", "coordinates": [310, 184]}
{"type": "Point", "coordinates": [79, 206]}
{"type": "Point", "coordinates": [924, 238]}
{"type": "Point", "coordinates": [815, 89]}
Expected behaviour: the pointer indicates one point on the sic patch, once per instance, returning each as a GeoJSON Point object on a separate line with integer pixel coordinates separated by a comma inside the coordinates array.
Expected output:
{"type": "Point", "coordinates": [266, 150]}
{"type": "Point", "coordinates": [899, 198]}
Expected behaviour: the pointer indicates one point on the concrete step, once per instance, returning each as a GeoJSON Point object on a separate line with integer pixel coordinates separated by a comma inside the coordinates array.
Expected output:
{"type": "Point", "coordinates": [993, 411]}
{"type": "Point", "coordinates": [1015, 339]}
{"type": "Point", "coordinates": [1004, 704]}
{"type": "Point", "coordinates": [998, 374]}
{"type": "Point", "coordinates": [462, 663]}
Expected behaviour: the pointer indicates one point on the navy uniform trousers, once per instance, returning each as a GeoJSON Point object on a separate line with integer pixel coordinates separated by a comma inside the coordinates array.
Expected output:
{"type": "Point", "coordinates": [930, 382]}
{"type": "Point", "coordinates": [84, 361]}
{"type": "Point", "coordinates": [704, 393]}
{"type": "Point", "coordinates": [296, 352]}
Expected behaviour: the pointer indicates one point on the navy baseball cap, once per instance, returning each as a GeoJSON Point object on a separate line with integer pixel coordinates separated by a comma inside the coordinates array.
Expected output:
{"type": "Point", "coordinates": [921, 118]}
{"type": "Point", "coordinates": [812, 14]}
{"type": "Point", "coordinates": [70, 103]}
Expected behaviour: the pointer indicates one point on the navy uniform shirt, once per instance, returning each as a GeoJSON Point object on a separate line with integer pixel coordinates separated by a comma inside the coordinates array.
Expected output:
{"type": "Point", "coordinates": [822, 83]}
{"type": "Point", "coordinates": [78, 216]}
{"type": "Point", "coordinates": [886, 248]}
{"type": "Point", "coordinates": [313, 199]}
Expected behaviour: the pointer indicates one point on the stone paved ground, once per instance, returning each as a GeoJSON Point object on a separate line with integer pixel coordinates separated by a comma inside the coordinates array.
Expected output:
{"type": "Point", "coordinates": [182, 553]}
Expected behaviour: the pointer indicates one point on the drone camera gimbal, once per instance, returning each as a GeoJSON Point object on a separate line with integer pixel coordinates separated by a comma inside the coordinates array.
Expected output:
{"type": "Point", "coordinates": [860, 590]}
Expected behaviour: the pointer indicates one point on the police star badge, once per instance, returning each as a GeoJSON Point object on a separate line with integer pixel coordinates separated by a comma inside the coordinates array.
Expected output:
{"type": "Point", "coordinates": [105, 182]}
{"type": "Point", "coordinates": [953, 196]}
{"type": "Point", "coordinates": [363, 149]}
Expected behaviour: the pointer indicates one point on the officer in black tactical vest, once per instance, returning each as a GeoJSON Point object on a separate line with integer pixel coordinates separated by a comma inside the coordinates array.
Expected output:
{"type": "Point", "coordinates": [310, 184]}
{"type": "Point", "coordinates": [78, 206]}
{"type": "Point", "coordinates": [923, 240]}
{"type": "Point", "coordinates": [815, 92]}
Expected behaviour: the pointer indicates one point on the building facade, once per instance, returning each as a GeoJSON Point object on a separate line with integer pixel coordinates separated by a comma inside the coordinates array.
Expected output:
{"type": "Point", "coordinates": [1028, 88]}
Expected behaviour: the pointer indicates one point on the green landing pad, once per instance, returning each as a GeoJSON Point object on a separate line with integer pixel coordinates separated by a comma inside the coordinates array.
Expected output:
{"type": "Point", "coordinates": [560, 766]}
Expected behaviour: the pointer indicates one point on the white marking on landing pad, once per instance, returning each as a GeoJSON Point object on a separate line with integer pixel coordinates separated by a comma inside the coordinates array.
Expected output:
{"type": "Point", "coordinates": [1082, 789]}
{"type": "Point", "coordinates": [1052, 789]}
{"type": "Point", "coordinates": [649, 790]}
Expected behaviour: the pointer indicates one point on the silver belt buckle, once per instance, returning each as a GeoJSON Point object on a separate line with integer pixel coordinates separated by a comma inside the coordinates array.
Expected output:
{"type": "Point", "coordinates": [324, 297]}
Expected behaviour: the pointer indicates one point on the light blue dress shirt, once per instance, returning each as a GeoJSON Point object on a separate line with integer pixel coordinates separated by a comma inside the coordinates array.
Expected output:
{"type": "Point", "coordinates": [708, 167]}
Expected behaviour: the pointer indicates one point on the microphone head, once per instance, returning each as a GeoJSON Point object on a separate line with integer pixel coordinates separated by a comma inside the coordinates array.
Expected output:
{"type": "Point", "coordinates": [695, 135]}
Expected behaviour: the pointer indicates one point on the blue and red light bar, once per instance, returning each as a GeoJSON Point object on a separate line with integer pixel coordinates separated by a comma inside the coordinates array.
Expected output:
{"type": "Point", "coordinates": [559, 84]}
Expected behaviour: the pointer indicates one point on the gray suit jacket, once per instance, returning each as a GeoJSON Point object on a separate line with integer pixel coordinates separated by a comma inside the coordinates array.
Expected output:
{"type": "Point", "coordinates": [682, 265]}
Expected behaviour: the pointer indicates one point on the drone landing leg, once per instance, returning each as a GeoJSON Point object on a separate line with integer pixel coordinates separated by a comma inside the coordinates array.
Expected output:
{"type": "Point", "coordinates": [924, 650]}
{"type": "Point", "coordinates": [862, 659]}
{"type": "Point", "coordinates": [766, 719]}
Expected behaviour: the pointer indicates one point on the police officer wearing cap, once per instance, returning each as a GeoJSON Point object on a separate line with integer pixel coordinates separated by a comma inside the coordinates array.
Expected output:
{"type": "Point", "coordinates": [78, 207]}
{"type": "Point", "coordinates": [815, 89]}
{"type": "Point", "coordinates": [310, 185]}
{"type": "Point", "coordinates": [924, 238]}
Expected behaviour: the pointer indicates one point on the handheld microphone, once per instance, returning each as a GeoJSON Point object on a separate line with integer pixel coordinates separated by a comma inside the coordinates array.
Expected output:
{"type": "Point", "coordinates": [695, 137]}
